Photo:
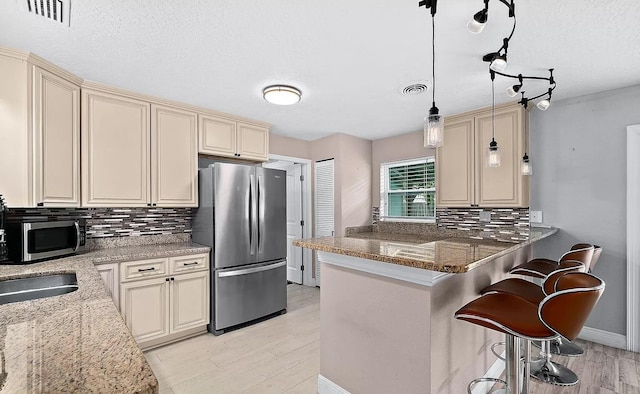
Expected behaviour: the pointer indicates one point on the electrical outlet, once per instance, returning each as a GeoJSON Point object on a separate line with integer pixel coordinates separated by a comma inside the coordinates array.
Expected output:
{"type": "Point", "coordinates": [535, 216]}
{"type": "Point", "coordinates": [485, 216]}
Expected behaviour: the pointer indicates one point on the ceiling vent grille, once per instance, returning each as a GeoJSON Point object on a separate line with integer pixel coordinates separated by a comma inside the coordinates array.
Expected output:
{"type": "Point", "coordinates": [54, 10]}
{"type": "Point", "coordinates": [414, 89]}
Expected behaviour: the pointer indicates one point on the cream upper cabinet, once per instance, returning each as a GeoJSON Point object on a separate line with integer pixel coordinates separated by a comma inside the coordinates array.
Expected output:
{"type": "Point", "coordinates": [217, 136]}
{"type": "Point", "coordinates": [57, 140]}
{"type": "Point", "coordinates": [502, 186]}
{"type": "Point", "coordinates": [174, 157]}
{"type": "Point", "coordinates": [41, 130]}
{"type": "Point", "coordinates": [253, 142]}
{"type": "Point", "coordinates": [115, 151]}
{"type": "Point", "coordinates": [463, 179]}
{"type": "Point", "coordinates": [228, 138]}
{"type": "Point", "coordinates": [455, 164]}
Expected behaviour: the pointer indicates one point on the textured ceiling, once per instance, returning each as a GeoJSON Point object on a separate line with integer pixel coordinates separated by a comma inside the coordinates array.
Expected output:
{"type": "Point", "coordinates": [350, 58]}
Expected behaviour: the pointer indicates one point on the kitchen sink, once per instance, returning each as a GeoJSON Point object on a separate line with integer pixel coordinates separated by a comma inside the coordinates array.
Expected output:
{"type": "Point", "coordinates": [23, 289]}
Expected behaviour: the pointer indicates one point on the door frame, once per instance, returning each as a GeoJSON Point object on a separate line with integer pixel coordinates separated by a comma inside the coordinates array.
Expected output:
{"type": "Point", "coordinates": [307, 256]}
{"type": "Point", "coordinates": [633, 234]}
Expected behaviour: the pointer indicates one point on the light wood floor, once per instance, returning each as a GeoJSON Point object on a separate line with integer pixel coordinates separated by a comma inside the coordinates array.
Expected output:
{"type": "Point", "coordinates": [281, 355]}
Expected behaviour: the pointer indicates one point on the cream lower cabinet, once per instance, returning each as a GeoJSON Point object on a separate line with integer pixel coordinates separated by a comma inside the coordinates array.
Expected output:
{"type": "Point", "coordinates": [111, 278]}
{"type": "Point", "coordinates": [462, 177]}
{"type": "Point", "coordinates": [166, 299]}
{"type": "Point", "coordinates": [137, 154]}
{"type": "Point", "coordinates": [228, 138]}
{"type": "Point", "coordinates": [40, 128]}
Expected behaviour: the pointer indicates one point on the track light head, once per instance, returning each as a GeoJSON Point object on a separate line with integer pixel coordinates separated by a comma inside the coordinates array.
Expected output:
{"type": "Point", "coordinates": [512, 91]}
{"type": "Point", "coordinates": [477, 23]}
{"type": "Point", "coordinates": [499, 63]}
{"type": "Point", "coordinates": [544, 104]}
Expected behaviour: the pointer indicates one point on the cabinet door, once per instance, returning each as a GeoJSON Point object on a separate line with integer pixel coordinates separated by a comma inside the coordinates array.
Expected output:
{"type": "Point", "coordinates": [189, 301]}
{"type": "Point", "coordinates": [455, 165]}
{"type": "Point", "coordinates": [253, 142]}
{"type": "Point", "coordinates": [217, 136]}
{"type": "Point", "coordinates": [501, 186]}
{"type": "Point", "coordinates": [56, 108]}
{"type": "Point", "coordinates": [145, 306]}
{"type": "Point", "coordinates": [174, 157]}
{"type": "Point", "coordinates": [115, 151]}
{"type": "Point", "coordinates": [110, 277]}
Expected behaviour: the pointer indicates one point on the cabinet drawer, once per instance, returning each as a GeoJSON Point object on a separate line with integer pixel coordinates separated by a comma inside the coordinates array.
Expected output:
{"type": "Point", "coordinates": [190, 263]}
{"type": "Point", "coordinates": [132, 270]}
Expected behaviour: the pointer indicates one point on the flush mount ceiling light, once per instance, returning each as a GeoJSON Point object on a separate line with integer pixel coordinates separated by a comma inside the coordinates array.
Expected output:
{"type": "Point", "coordinates": [281, 94]}
{"type": "Point", "coordinates": [498, 60]}
{"type": "Point", "coordinates": [434, 122]}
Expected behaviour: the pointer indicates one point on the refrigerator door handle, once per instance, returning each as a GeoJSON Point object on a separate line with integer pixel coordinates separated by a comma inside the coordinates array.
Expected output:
{"type": "Point", "coordinates": [251, 214]}
{"type": "Point", "coordinates": [261, 213]}
{"type": "Point", "coordinates": [246, 271]}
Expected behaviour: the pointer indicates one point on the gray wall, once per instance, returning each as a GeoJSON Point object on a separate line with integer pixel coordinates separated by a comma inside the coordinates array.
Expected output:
{"type": "Point", "coordinates": [578, 150]}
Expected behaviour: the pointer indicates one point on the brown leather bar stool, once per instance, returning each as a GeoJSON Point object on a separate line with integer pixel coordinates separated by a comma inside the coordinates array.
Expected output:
{"type": "Point", "coordinates": [543, 369]}
{"type": "Point", "coordinates": [560, 314]}
{"type": "Point", "coordinates": [541, 268]}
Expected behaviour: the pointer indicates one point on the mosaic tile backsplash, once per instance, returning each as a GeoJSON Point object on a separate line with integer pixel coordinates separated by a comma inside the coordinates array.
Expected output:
{"type": "Point", "coordinates": [504, 223]}
{"type": "Point", "coordinates": [117, 222]}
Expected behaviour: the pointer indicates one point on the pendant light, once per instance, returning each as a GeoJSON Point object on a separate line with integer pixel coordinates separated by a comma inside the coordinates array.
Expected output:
{"type": "Point", "coordinates": [434, 122]}
{"type": "Point", "coordinates": [493, 152]}
{"type": "Point", "coordinates": [526, 167]}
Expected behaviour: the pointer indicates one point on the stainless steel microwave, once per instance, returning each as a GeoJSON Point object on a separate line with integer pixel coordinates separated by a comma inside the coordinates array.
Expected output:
{"type": "Point", "coordinates": [29, 242]}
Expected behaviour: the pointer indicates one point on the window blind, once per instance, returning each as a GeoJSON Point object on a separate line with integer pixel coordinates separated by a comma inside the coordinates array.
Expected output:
{"type": "Point", "coordinates": [408, 189]}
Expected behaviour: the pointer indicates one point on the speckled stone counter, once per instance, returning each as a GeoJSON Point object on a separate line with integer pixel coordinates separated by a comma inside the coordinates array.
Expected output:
{"type": "Point", "coordinates": [435, 252]}
{"type": "Point", "coordinates": [76, 342]}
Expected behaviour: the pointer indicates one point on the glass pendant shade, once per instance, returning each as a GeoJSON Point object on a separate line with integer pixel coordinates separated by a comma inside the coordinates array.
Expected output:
{"type": "Point", "coordinates": [493, 154]}
{"type": "Point", "coordinates": [544, 104]}
{"type": "Point", "coordinates": [525, 165]}
{"type": "Point", "coordinates": [433, 129]}
{"type": "Point", "coordinates": [499, 63]}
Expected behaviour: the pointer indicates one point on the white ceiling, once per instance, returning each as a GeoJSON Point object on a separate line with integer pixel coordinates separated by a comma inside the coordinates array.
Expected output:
{"type": "Point", "coordinates": [349, 58]}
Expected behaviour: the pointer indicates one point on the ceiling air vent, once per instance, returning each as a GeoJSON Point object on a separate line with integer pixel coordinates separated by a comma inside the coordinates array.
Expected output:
{"type": "Point", "coordinates": [414, 89]}
{"type": "Point", "coordinates": [54, 10]}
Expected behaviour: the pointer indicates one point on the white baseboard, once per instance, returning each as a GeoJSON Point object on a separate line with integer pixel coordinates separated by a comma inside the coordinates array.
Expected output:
{"type": "Point", "coordinates": [494, 372]}
{"type": "Point", "coordinates": [603, 337]}
{"type": "Point", "coordinates": [325, 386]}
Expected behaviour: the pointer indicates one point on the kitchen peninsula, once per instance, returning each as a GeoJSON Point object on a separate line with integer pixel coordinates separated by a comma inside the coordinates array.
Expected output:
{"type": "Point", "coordinates": [387, 305]}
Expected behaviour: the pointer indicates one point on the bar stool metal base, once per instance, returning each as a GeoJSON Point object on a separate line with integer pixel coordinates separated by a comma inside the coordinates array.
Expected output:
{"type": "Point", "coordinates": [480, 380]}
{"type": "Point", "coordinates": [553, 373]}
{"type": "Point", "coordinates": [562, 348]}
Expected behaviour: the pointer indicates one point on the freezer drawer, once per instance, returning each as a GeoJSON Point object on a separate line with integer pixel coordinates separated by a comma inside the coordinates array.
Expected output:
{"type": "Point", "coordinates": [249, 292]}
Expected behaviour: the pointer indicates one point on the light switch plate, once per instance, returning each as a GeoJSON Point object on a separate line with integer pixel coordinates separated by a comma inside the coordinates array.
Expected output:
{"type": "Point", "coordinates": [535, 216]}
{"type": "Point", "coordinates": [485, 216]}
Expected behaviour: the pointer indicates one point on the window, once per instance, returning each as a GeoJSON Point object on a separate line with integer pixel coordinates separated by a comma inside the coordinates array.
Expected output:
{"type": "Point", "coordinates": [408, 190]}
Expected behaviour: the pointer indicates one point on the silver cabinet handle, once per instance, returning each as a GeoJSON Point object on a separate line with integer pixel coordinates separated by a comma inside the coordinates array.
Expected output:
{"type": "Point", "coordinates": [77, 225]}
{"type": "Point", "coordinates": [251, 270]}
{"type": "Point", "coordinates": [188, 264]}
{"type": "Point", "coordinates": [146, 269]}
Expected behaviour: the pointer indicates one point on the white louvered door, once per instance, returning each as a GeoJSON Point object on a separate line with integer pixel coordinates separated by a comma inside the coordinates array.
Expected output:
{"type": "Point", "coordinates": [324, 203]}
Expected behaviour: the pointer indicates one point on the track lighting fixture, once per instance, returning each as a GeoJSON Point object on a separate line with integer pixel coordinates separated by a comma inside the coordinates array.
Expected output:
{"type": "Point", "coordinates": [512, 91]}
{"type": "Point", "coordinates": [498, 60]}
{"type": "Point", "coordinates": [433, 123]}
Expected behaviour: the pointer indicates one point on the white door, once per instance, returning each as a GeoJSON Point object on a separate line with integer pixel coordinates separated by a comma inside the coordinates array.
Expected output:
{"type": "Point", "coordinates": [324, 199]}
{"type": "Point", "coordinates": [294, 222]}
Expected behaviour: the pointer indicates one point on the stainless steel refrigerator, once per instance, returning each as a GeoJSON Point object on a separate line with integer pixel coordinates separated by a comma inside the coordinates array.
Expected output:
{"type": "Point", "coordinates": [242, 217]}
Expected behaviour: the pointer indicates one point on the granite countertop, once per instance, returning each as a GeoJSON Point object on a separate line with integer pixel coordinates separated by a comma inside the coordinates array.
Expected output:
{"type": "Point", "coordinates": [434, 252]}
{"type": "Point", "coordinates": [76, 342]}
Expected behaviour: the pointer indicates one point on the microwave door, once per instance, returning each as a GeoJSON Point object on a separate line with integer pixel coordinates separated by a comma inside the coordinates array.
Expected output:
{"type": "Point", "coordinates": [50, 239]}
